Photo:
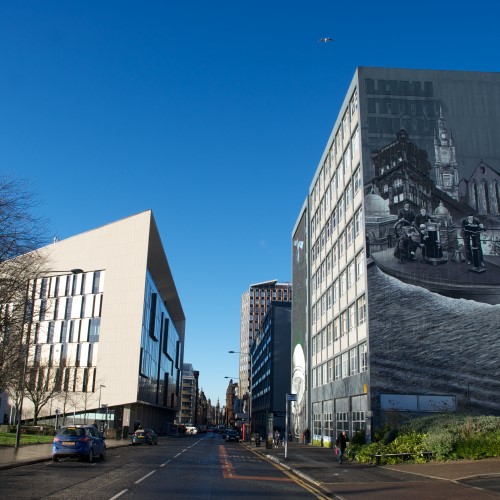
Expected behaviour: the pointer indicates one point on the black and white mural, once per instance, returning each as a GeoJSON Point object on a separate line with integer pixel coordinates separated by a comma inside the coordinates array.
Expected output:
{"type": "Point", "coordinates": [431, 164]}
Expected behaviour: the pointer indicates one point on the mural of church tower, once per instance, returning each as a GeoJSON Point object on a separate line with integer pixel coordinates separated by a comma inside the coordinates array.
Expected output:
{"type": "Point", "coordinates": [445, 167]}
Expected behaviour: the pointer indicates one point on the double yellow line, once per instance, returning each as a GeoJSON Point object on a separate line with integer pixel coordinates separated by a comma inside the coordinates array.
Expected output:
{"type": "Point", "coordinates": [310, 487]}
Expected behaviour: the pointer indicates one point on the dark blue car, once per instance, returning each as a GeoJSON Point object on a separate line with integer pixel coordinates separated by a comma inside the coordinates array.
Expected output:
{"type": "Point", "coordinates": [82, 441]}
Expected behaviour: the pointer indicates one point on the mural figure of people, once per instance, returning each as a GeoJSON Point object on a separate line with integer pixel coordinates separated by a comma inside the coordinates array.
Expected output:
{"type": "Point", "coordinates": [406, 215]}
{"type": "Point", "coordinates": [471, 233]}
{"type": "Point", "coordinates": [406, 245]}
{"type": "Point", "coordinates": [422, 218]}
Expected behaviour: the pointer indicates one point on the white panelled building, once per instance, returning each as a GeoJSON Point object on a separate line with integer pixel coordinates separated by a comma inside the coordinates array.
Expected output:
{"type": "Point", "coordinates": [108, 330]}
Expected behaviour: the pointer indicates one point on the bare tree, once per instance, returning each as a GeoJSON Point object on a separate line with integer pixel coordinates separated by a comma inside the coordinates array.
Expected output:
{"type": "Point", "coordinates": [40, 387]}
{"type": "Point", "coordinates": [21, 234]}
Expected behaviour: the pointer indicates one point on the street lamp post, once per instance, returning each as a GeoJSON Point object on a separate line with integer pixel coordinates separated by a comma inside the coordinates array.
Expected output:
{"type": "Point", "coordinates": [289, 399]}
{"type": "Point", "coordinates": [100, 387]}
{"type": "Point", "coordinates": [57, 418]}
{"type": "Point", "coordinates": [28, 317]}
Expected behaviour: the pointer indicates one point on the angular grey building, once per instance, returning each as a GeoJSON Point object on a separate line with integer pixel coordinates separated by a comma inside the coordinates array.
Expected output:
{"type": "Point", "coordinates": [396, 309]}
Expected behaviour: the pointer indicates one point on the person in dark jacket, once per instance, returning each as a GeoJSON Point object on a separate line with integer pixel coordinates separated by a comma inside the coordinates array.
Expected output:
{"type": "Point", "coordinates": [471, 229]}
{"type": "Point", "coordinates": [406, 215]}
{"type": "Point", "coordinates": [341, 444]}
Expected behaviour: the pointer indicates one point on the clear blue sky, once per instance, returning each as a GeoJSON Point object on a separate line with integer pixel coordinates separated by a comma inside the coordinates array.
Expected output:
{"type": "Point", "coordinates": [212, 114]}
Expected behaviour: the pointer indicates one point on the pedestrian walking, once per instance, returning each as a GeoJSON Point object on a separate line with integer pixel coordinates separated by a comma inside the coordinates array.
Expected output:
{"type": "Point", "coordinates": [341, 444]}
{"type": "Point", "coordinates": [276, 438]}
{"type": "Point", "coordinates": [307, 435]}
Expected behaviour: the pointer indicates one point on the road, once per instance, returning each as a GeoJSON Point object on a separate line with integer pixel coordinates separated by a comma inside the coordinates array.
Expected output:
{"type": "Point", "coordinates": [197, 467]}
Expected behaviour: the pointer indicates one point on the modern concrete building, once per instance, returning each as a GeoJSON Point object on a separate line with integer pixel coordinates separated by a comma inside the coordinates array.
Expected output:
{"type": "Point", "coordinates": [110, 335]}
{"type": "Point", "coordinates": [394, 315]}
{"type": "Point", "coordinates": [271, 364]}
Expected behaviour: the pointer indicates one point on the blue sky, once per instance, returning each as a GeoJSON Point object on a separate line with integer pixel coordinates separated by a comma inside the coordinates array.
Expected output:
{"type": "Point", "coordinates": [212, 114]}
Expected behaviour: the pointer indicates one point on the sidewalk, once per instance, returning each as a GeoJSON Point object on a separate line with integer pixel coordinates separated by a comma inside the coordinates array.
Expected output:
{"type": "Point", "coordinates": [431, 480]}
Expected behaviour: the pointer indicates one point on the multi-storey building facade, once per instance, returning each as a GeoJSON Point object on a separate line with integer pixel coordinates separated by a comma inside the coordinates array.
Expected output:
{"type": "Point", "coordinates": [271, 364]}
{"type": "Point", "coordinates": [189, 395]}
{"type": "Point", "coordinates": [254, 305]}
{"type": "Point", "coordinates": [386, 316]}
{"type": "Point", "coordinates": [111, 334]}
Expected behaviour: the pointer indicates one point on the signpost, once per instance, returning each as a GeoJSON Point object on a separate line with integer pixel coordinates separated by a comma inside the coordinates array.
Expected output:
{"type": "Point", "coordinates": [289, 398]}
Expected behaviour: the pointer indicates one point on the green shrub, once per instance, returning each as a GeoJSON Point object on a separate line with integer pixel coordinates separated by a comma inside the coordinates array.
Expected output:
{"type": "Point", "coordinates": [358, 438]}
{"type": "Point", "coordinates": [365, 454]}
{"type": "Point", "coordinates": [477, 447]}
{"type": "Point", "coordinates": [379, 434]}
{"type": "Point", "coordinates": [448, 436]}
{"type": "Point", "coordinates": [441, 442]}
{"type": "Point", "coordinates": [390, 436]}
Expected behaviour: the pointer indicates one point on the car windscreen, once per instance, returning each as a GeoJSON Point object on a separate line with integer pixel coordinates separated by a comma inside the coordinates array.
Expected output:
{"type": "Point", "coordinates": [72, 431]}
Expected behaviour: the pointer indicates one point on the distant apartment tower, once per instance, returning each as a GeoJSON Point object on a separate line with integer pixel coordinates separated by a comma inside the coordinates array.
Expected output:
{"type": "Point", "coordinates": [255, 303]}
{"type": "Point", "coordinates": [189, 394]}
{"type": "Point", "coordinates": [111, 334]}
{"type": "Point", "coordinates": [377, 331]}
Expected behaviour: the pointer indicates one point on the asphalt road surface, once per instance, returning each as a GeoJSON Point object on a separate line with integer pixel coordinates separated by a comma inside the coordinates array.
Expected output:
{"type": "Point", "coordinates": [199, 467]}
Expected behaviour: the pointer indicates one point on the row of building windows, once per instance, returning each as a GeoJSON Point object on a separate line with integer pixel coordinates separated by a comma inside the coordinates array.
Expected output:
{"type": "Point", "coordinates": [341, 147]}
{"type": "Point", "coordinates": [323, 424]}
{"type": "Point", "coordinates": [353, 228]}
{"type": "Point", "coordinates": [84, 306]}
{"type": "Point", "coordinates": [70, 285]}
{"type": "Point", "coordinates": [338, 290]}
{"type": "Point", "coordinates": [334, 212]}
{"type": "Point", "coordinates": [81, 354]}
{"type": "Point", "coordinates": [337, 252]}
{"type": "Point", "coordinates": [74, 380]}
{"type": "Point", "coordinates": [347, 320]}
{"type": "Point", "coordinates": [64, 332]}
{"type": "Point", "coordinates": [265, 296]}
{"type": "Point", "coordinates": [345, 365]}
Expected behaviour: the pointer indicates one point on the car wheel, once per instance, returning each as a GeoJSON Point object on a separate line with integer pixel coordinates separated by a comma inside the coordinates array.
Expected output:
{"type": "Point", "coordinates": [103, 454]}
{"type": "Point", "coordinates": [90, 457]}
{"type": "Point", "coordinates": [55, 459]}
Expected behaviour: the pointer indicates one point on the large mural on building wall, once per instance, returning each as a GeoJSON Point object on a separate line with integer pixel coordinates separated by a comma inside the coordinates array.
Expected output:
{"type": "Point", "coordinates": [431, 164]}
{"type": "Point", "coordinates": [299, 329]}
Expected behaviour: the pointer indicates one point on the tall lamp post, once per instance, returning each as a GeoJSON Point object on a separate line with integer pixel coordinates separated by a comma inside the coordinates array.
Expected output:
{"type": "Point", "coordinates": [28, 318]}
{"type": "Point", "coordinates": [100, 387]}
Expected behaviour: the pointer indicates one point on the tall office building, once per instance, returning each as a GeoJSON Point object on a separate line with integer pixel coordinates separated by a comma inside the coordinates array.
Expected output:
{"type": "Point", "coordinates": [254, 305]}
{"type": "Point", "coordinates": [396, 268]}
{"type": "Point", "coordinates": [271, 362]}
{"type": "Point", "coordinates": [110, 335]}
